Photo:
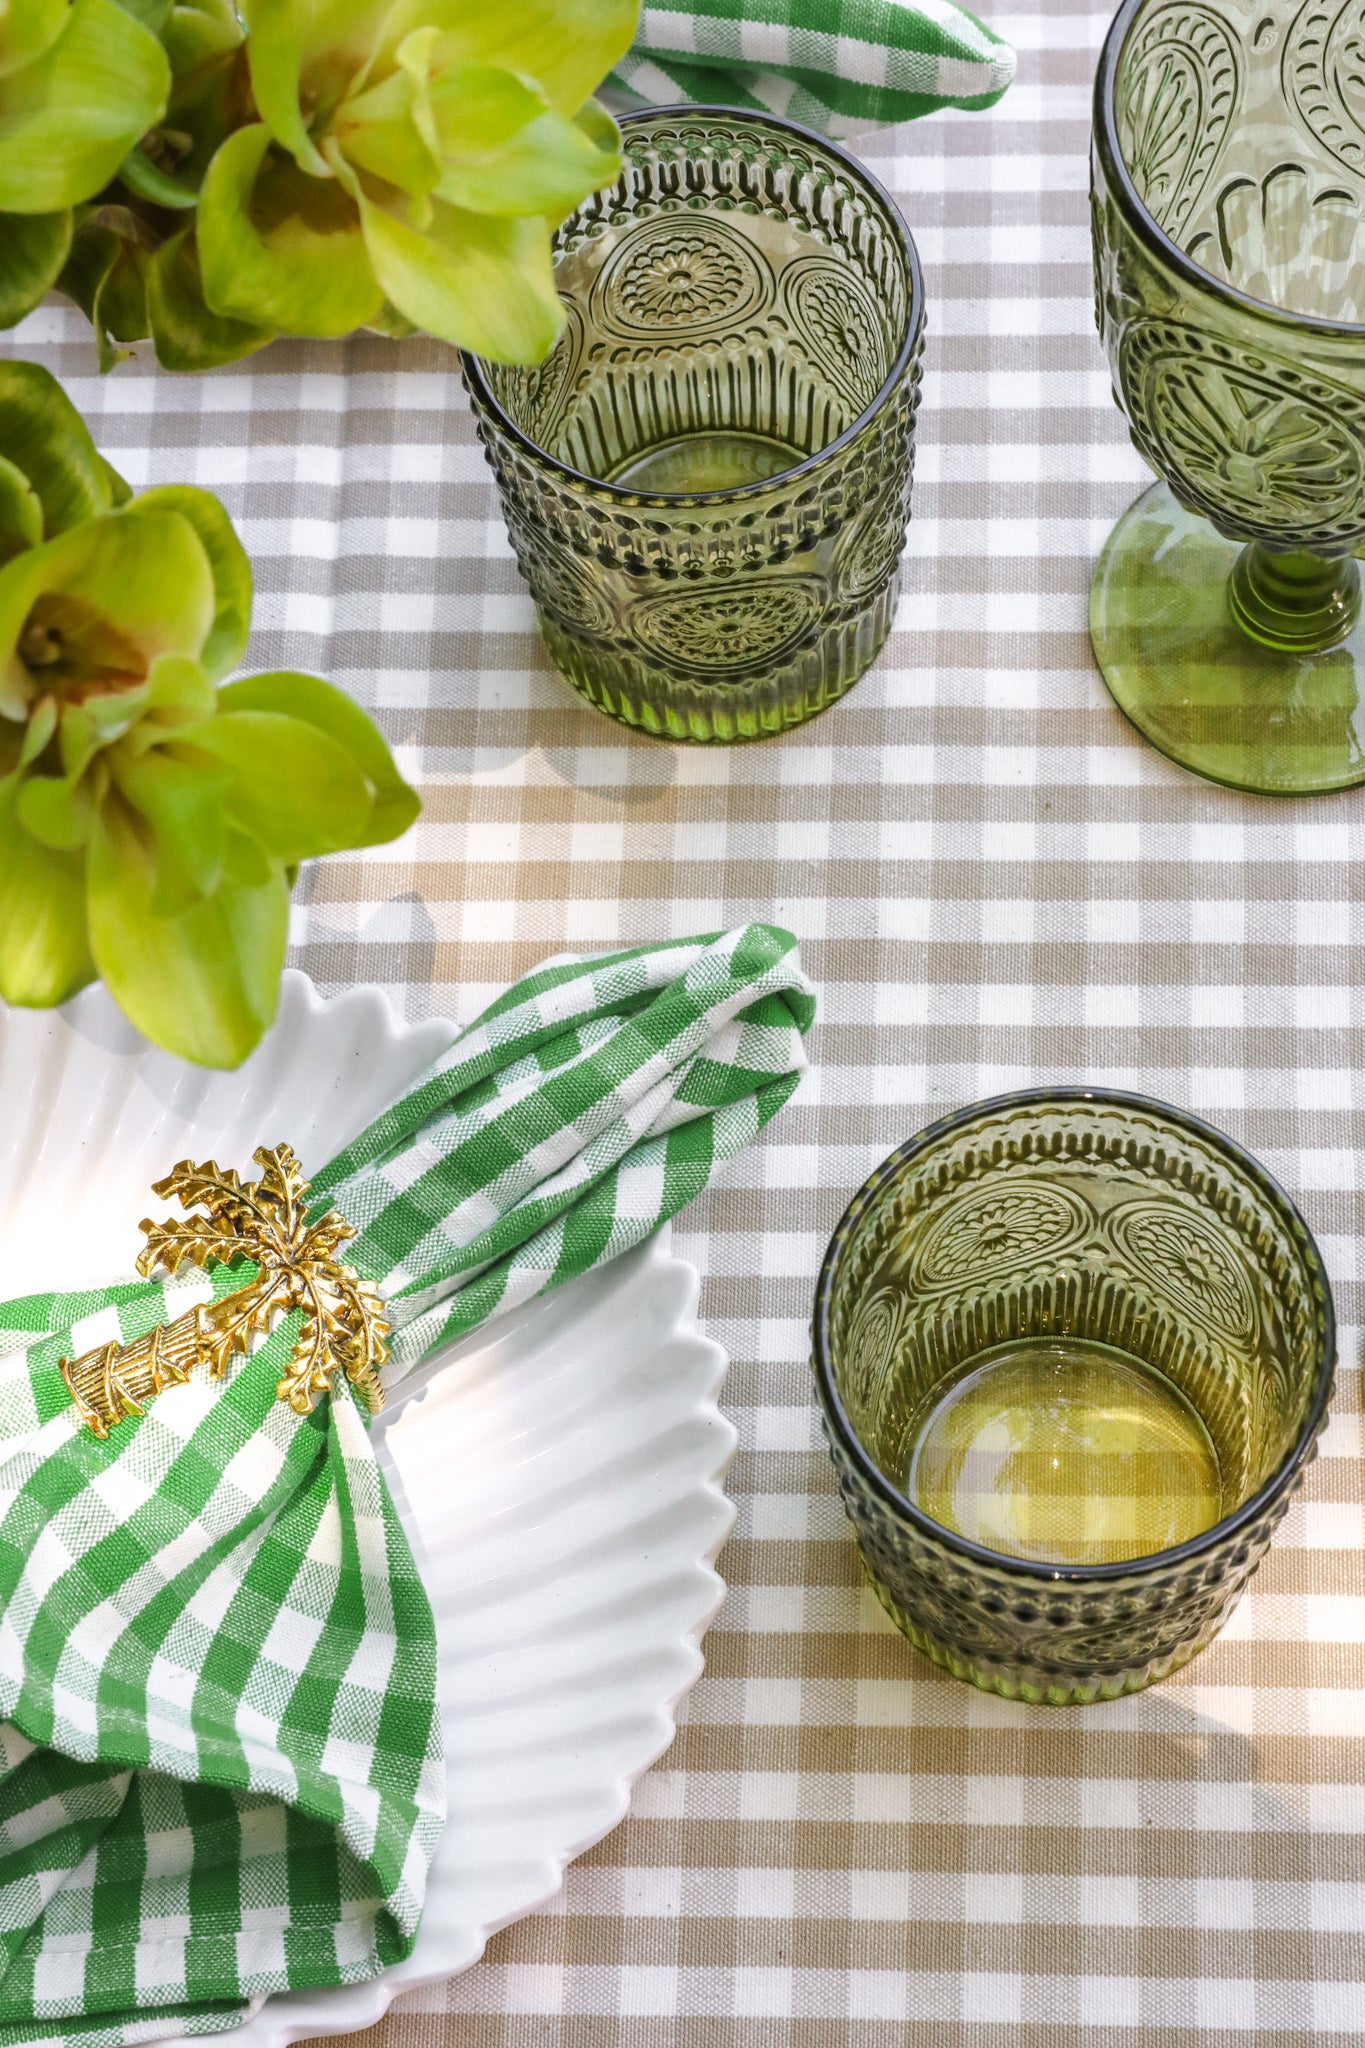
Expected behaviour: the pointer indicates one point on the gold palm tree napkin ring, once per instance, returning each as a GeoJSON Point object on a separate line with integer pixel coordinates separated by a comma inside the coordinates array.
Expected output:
{"type": "Point", "coordinates": [266, 1221]}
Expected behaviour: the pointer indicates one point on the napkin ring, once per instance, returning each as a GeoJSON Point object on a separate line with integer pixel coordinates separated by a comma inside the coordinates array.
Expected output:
{"type": "Point", "coordinates": [266, 1221]}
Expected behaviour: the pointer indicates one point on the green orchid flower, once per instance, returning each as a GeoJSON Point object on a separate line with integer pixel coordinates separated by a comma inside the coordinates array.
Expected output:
{"type": "Point", "coordinates": [150, 816]}
{"type": "Point", "coordinates": [307, 168]}
{"type": "Point", "coordinates": [412, 155]}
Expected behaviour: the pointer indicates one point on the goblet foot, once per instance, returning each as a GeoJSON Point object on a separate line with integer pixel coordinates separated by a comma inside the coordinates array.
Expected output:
{"type": "Point", "coordinates": [1166, 621]}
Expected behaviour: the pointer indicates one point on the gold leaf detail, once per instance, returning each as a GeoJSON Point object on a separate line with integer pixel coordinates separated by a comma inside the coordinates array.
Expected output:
{"type": "Point", "coordinates": [344, 1328]}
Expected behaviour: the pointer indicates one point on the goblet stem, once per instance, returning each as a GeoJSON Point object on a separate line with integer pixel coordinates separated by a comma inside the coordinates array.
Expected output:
{"type": "Point", "coordinates": [1240, 663]}
{"type": "Point", "coordinates": [1298, 603]}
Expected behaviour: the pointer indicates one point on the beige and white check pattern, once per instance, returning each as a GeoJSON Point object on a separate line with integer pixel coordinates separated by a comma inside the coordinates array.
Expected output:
{"type": "Point", "coordinates": [995, 883]}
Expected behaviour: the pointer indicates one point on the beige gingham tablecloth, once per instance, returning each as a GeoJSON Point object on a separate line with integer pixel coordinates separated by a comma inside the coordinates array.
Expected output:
{"type": "Point", "coordinates": [996, 884]}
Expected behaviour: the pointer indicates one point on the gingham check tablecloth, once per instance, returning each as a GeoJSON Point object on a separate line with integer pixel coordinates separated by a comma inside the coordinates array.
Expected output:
{"type": "Point", "coordinates": [996, 884]}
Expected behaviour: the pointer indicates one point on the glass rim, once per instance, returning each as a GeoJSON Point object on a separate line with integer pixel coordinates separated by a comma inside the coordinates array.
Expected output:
{"type": "Point", "coordinates": [1026, 1569]}
{"type": "Point", "coordinates": [1144, 224]}
{"type": "Point", "coordinates": [914, 327]}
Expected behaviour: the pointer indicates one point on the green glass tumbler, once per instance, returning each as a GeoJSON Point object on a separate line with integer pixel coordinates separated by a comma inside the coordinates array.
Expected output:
{"type": "Point", "coordinates": [1228, 175]}
{"type": "Point", "coordinates": [1064, 1302]}
{"type": "Point", "coordinates": [707, 482]}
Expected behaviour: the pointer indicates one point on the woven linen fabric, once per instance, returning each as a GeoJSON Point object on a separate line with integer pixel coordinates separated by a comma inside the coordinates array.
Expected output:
{"type": "Point", "coordinates": [995, 883]}
{"type": "Point", "coordinates": [839, 66]}
{"type": "Point", "coordinates": [220, 1755]}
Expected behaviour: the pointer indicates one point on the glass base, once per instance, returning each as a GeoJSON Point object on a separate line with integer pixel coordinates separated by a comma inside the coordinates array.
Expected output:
{"type": "Point", "coordinates": [1018, 1680]}
{"type": "Point", "coordinates": [1197, 685]}
{"type": "Point", "coordinates": [722, 461]}
{"type": "Point", "coordinates": [618, 677]}
{"type": "Point", "coordinates": [1063, 1451]}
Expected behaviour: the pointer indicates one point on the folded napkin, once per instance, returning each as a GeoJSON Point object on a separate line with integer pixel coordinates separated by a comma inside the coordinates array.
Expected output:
{"type": "Point", "coordinates": [835, 65]}
{"type": "Point", "coordinates": [220, 1751]}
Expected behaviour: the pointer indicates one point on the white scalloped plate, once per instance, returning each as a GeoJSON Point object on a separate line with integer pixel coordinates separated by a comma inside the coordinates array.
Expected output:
{"type": "Point", "coordinates": [559, 1473]}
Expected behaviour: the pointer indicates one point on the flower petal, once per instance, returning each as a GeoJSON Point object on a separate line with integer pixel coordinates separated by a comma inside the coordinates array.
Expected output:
{"type": "Point", "coordinates": [179, 693]}
{"type": "Point", "coordinates": [482, 282]}
{"type": "Point", "coordinates": [566, 46]}
{"type": "Point", "coordinates": [293, 790]}
{"type": "Point", "coordinates": [56, 811]}
{"type": "Point", "coordinates": [317, 45]}
{"type": "Point", "coordinates": [33, 249]}
{"type": "Point", "coordinates": [21, 514]}
{"type": "Point", "coordinates": [376, 131]}
{"type": "Point", "coordinates": [331, 711]}
{"type": "Point", "coordinates": [187, 335]}
{"type": "Point", "coordinates": [227, 558]}
{"type": "Point", "coordinates": [204, 984]}
{"type": "Point", "coordinates": [42, 434]}
{"type": "Point", "coordinates": [178, 792]}
{"type": "Point", "coordinates": [44, 952]}
{"type": "Point", "coordinates": [277, 245]}
{"type": "Point", "coordinates": [153, 14]}
{"type": "Point", "coordinates": [464, 110]}
{"type": "Point", "coordinates": [68, 119]}
{"type": "Point", "coordinates": [545, 169]}
{"type": "Point", "coordinates": [27, 28]}
{"type": "Point", "coordinates": [104, 274]}
{"type": "Point", "coordinates": [195, 33]}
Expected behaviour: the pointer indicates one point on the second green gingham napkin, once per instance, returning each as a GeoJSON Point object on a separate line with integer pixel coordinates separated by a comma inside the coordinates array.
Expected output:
{"type": "Point", "coordinates": [220, 1753]}
{"type": "Point", "coordinates": [838, 66]}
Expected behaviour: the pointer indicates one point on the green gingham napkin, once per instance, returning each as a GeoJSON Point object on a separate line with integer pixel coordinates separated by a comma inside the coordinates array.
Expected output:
{"type": "Point", "coordinates": [220, 1751]}
{"type": "Point", "coordinates": [835, 65]}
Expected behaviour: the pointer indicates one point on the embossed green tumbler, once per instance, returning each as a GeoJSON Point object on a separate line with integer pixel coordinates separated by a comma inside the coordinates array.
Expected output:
{"type": "Point", "coordinates": [1228, 179]}
{"type": "Point", "coordinates": [707, 482]}
{"type": "Point", "coordinates": [1074, 1350]}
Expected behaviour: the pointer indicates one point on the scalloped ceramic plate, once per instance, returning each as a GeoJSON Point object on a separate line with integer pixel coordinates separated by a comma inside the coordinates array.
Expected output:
{"type": "Point", "coordinates": [559, 1472]}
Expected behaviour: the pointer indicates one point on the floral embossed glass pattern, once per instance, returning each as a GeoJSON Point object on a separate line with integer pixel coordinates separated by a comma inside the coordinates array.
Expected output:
{"type": "Point", "coordinates": [1071, 1222]}
{"type": "Point", "coordinates": [1228, 181]}
{"type": "Point", "coordinates": [707, 482]}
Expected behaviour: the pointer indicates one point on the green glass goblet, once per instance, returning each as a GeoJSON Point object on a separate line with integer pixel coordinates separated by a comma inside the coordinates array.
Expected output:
{"type": "Point", "coordinates": [1073, 1350]}
{"type": "Point", "coordinates": [707, 482]}
{"type": "Point", "coordinates": [1228, 173]}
